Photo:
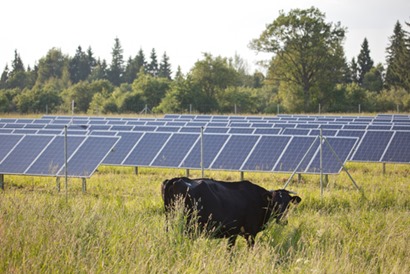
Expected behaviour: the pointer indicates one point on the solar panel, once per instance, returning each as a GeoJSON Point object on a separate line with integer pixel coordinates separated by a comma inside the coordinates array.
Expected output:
{"type": "Point", "coordinates": [212, 145]}
{"type": "Point", "coordinates": [122, 148]}
{"type": "Point", "coordinates": [273, 131]}
{"type": "Point", "coordinates": [332, 164]}
{"type": "Point", "coordinates": [235, 152]}
{"type": "Point", "coordinates": [399, 149]}
{"type": "Point", "coordinates": [372, 146]}
{"type": "Point", "coordinates": [238, 130]}
{"type": "Point", "coordinates": [18, 160]}
{"type": "Point", "coordinates": [146, 149]}
{"type": "Point", "coordinates": [216, 129]}
{"type": "Point", "coordinates": [52, 158]}
{"type": "Point", "coordinates": [7, 143]}
{"type": "Point", "coordinates": [294, 153]}
{"type": "Point", "coordinates": [175, 150]}
{"type": "Point", "coordinates": [296, 131]}
{"type": "Point", "coordinates": [89, 156]}
{"type": "Point", "coordinates": [266, 153]}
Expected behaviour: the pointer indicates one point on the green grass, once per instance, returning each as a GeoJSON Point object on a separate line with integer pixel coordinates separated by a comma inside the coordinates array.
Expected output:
{"type": "Point", "coordinates": [118, 226]}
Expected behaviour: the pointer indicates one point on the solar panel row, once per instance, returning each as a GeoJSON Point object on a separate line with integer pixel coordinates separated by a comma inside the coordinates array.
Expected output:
{"type": "Point", "coordinates": [44, 154]}
{"type": "Point", "coordinates": [227, 152]}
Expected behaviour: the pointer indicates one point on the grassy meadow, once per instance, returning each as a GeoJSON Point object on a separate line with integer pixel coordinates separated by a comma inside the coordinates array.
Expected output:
{"type": "Point", "coordinates": [118, 226]}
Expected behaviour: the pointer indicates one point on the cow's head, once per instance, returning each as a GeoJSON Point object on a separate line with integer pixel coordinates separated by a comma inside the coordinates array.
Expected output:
{"type": "Point", "coordinates": [278, 203]}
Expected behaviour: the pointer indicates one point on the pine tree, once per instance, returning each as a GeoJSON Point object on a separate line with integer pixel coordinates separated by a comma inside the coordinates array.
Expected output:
{"type": "Point", "coordinates": [17, 64]}
{"type": "Point", "coordinates": [354, 71]}
{"type": "Point", "coordinates": [79, 66]}
{"type": "Point", "coordinates": [140, 62]}
{"type": "Point", "coordinates": [364, 60]}
{"type": "Point", "coordinates": [4, 77]}
{"type": "Point", "coordinates": [165, 67]}
{"type": "Point", "coordinates": [116, 70]}
{"type": "Point", "coordinates": [153, 65]}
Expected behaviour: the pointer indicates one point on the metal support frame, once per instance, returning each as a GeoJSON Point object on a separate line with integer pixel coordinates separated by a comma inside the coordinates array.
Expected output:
{"type": "Point", "coordinates": [187, 173]}
{"type": "Point", "coordinates": [301, 161]}
{"type": "Point", "coordinates": [2, 181]}
{"type": "Point", "coordinates": [242, 176]}
{"type": "Point", "coordinates": [136, 170]}
{"type": "Point", "coordinates": [58, 184]}
{"type": "Point", "coordinates": [84, 183]}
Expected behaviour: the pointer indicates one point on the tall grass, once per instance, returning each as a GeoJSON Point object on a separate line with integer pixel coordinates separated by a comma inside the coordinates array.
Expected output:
{"type": "Point", "coordinates": [118, 226]}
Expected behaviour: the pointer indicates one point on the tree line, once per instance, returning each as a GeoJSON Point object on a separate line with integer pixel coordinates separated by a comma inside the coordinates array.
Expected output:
{"type": "Point", "coordinates": [308, 72]}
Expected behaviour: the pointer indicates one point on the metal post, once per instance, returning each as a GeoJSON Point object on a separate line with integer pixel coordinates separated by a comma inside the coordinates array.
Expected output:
{"type": "Point", "coordinates": [2, 181]}
{"type": "Point", "coordinates": [321, 163]}
{"type": "Point", "coordinates": [84, 181]}
{"type": "Point", "coordinates": [187, 173]}
{"type": "Point", "coordinates": [242, 176]}
{"type": "Point", "coordinates": [58, 184]}
{"type": "Point", "coordinates": [299, 178]}
{"type": "Point", "coordinates": [235, 108]}
{"type": "Point", "coordinates": [202, 152]}
{"type": "Point", "coordinates": [136, 170]}
{"type": "Point", "coordinates": [384, 168]}
{"type": "Point", "coordinates": [65, 163]}
{"type": "Point", "coordinates": [277, 109]}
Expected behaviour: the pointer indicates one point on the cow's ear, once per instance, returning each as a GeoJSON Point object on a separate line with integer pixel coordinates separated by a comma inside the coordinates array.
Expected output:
{"type": "Point", "coordinates": [296, 200]}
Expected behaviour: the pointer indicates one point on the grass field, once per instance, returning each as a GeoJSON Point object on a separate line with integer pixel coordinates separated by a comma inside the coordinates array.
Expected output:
{"type": "Point", "coordinates": [118, 226]}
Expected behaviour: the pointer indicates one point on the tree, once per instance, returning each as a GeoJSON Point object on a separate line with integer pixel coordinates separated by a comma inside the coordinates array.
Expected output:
{"type": "Point", "coordinates": [364, 61]}
{"type": "Point", "coordinates": [354, 71]}
{"type": "Point", "coordinates": [153, 65]}
{"type": "Point", "coordinates": [398, 54]}
{"type": "Point", "coordinates": [373, 80]}
{"type": "Point", "coordinates": [213, 75]}
{"type": "Point", "coordinates": [165, 67]}
{"type": "Point", "coordinates": [53, 66]}
{"type": "Point", "coordinates": [305, 49]}
{"type": "Point", "coordinates": [116, 71]}
{"type": "Point", "coordinates": [79, 66]}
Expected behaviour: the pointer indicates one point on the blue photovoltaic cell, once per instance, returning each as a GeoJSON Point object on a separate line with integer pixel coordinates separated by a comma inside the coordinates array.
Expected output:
{"type": "Point", "coordinates": [212, 145]}
{"type": "Point", "coordinates": [24, 153]}
{"type": "Point", "coordinates": [372, 146]}
{"type": "Point", "coordinates": [89, 156]}
{"type": "Point", "coordinates": [216, 129]}
{"type": "Point", "coordinates": [294, 153]}
{"type": "Point", "coordinates": [7, 142]}
{"type": "Point", "coordinates": [325, 132]}
{"type": "Point", "coordinates": [52, 159]}
{"type": "Point", "coordinates": [25, 131]}
{"type": "Point", "coordinates": [399, 148]}
{"type": "Point", "coordinates": [330, 163]}
{"type": "Point", "coordinates": [175, 150]}
{"type": "Point", "coordinates": [168, 129]}
{"type": "Point", "coordinates": [190, 129]}
{"type": "Point", "coordinates": [266, 153]}
{"type": "Point", "coordinates": [239, 130]}
{"type": "Point", "coordinates": [273, 131]}
{"type": "Point", "coordinates": [307, 126]}
{"type": "Point", "coordinates": [144, 128]}
{"type": "Point", "coordinates": [146, 149]}
{"type": "Point", "coordinates": [351, 133]}
{"type": "Point", "coordinates": [122, 148]}
{"type": "Point", "coordinates": [103, 133]}
{"type": "Point", "coordinates": [121, 127]}
{"type": "Point", "coordinates": [234, 152]}
{"type": "Point", "coordinates": [295, 131]}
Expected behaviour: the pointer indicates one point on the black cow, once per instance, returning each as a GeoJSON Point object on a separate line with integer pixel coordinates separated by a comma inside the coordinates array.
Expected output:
{"type": "Point", "coordinates": [228, 209]}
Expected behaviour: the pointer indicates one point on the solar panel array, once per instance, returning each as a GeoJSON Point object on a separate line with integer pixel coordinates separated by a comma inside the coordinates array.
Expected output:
{"type": "Point", "coordinates": [43, 155]}
{"type": "Point", "coordinates": [244, 143]}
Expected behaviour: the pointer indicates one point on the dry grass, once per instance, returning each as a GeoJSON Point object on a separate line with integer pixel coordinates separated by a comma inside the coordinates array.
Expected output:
{"type": "Point", "coordinates": [118, 226]}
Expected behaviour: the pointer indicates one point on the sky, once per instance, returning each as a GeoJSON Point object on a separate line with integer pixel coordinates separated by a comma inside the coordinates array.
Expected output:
{"type": "Point", "coordinates": [184, 29]}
